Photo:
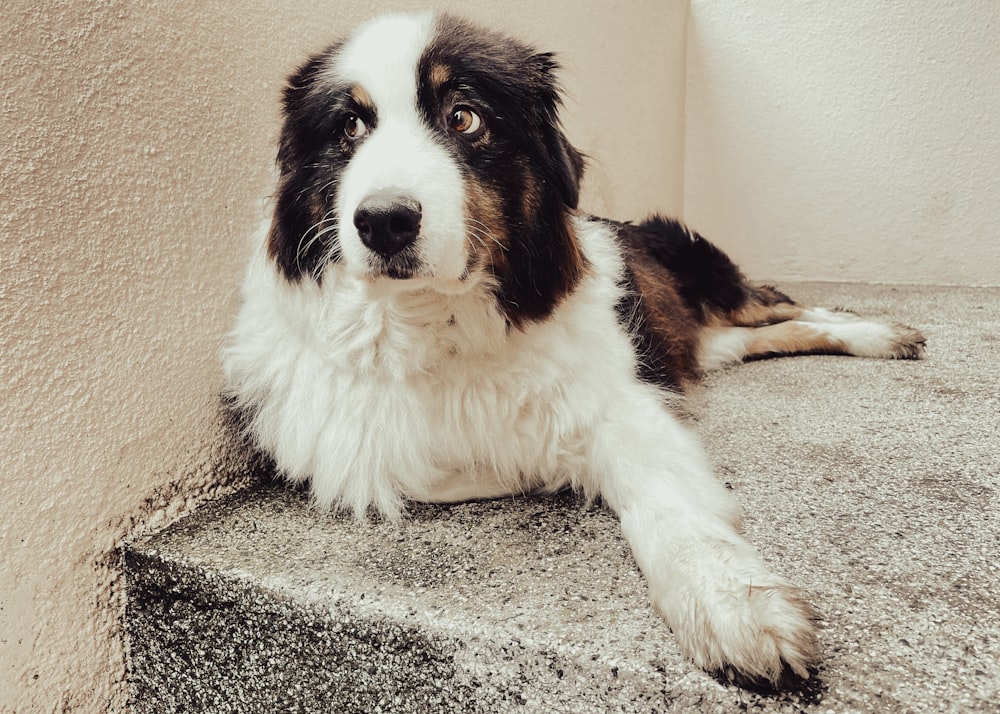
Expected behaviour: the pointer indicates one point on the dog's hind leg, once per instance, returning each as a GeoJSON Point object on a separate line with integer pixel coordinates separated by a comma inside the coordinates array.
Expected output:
{"type": "Point", "coordinates": [770, 325]}
{"type": "Point", "coordinates": [734, 319]}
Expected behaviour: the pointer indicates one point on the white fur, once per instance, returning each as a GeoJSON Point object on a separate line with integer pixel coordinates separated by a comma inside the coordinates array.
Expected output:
{"type": "Point", "coordinates": [382, 396]}
{"type": "Point", "coordinates": [378, 391]}
{"type": "Point", "coordinates": [381, 56]}
{"type": "Point", "coordinates": [721, 346]}
{"type": "Point", "coordinates": [403, 389]}
{"type": "Point", "coordinates": [850, 334]}
{"type": "Point", "coordinates": [400, 153]}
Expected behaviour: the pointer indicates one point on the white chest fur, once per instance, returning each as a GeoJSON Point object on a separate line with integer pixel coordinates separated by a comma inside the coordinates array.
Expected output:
{"type": "Point", "coordinates": [377, 395]}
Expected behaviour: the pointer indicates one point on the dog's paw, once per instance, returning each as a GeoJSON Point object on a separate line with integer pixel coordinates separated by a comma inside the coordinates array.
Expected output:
{"type": "Point", "coordinates": [754, 635]}
{"type": "Point", "coordinates": [906, 343]}
{"type": "Point", "coordinates": [867, 338]}
{"type": "Point", "coordinates": [764, 637]}
{"type": "Point", "coordinates": [882, 340]}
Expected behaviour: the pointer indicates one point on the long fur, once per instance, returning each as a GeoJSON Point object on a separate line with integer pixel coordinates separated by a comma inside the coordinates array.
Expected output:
{"type": "Point", "coordinates": [508, 343]}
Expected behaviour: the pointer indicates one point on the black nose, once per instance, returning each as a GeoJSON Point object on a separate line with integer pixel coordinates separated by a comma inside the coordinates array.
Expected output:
{"type": "Point", "coordinates": [387, 222]}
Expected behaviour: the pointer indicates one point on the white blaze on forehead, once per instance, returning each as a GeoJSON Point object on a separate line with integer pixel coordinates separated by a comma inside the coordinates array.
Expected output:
{"type": "Point", "coordinates": [382, 57]}
{"type": "Point", "coordinates": [401, 152]}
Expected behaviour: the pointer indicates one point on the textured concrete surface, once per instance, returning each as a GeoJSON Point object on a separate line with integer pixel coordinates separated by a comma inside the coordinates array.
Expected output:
{"type": "Point", "coordinates": [871, 484]}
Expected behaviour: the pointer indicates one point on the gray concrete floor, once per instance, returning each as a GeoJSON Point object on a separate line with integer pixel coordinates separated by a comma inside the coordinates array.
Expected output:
{"type": "Point", "coordinates": [873, 485]}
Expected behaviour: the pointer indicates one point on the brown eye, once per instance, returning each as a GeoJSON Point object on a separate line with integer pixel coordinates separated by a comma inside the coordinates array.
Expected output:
{"type": "Point", "coordinates": [465, 121]}
{"type": "Point", "coordinates": [354, 127]}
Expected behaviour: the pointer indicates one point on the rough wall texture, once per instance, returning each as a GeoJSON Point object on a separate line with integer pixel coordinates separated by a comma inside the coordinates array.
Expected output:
{"type": "Point", "coordinates": [136, 139]}
{"type": "Point", "coordinates": [120, 206]}
{"type": "Point", "coordinates": [847, 141]}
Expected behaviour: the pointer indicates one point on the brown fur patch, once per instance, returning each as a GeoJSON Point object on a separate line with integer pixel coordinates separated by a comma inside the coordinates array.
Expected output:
{"type": "Point", "coordinates": [669, 328]}
{"type": "Point", "coordinates": [486, 231]}
{"type": "Point", "coordinates": [755, 314]}
{"type": "Point", "coordinates": [274, 239]}
{"type": "Point", "coordinates": [531, 197]}
{"type": "Point", "coordinates": [439, 75]}
{"type": "Point", "coordinates": [360, 95]}
{"type": "Point", "coordinates": [791, 338]}
{"type": "Point", "coordinates": [764, 305]}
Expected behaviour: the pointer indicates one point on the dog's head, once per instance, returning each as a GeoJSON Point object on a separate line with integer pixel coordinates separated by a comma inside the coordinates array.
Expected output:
{"type": "Point", "coordinates": [425, 152]}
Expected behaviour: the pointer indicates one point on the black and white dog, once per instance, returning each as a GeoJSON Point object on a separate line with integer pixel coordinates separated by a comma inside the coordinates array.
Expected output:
{"type": "Point", "coordinates": [429, 316]}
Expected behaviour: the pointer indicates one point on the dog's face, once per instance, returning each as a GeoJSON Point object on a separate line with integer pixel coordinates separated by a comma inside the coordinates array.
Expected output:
{"type": "Point", "coordinates": [425, 152]}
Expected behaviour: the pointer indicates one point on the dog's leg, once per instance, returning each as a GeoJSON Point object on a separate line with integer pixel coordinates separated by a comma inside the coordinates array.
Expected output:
{"type": "Point", "coordinates": [817, 331]}
{"type": "Point", "coordinates": [729, 612]}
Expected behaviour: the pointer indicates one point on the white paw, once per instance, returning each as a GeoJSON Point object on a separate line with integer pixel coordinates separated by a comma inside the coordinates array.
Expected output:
{"type": "Point", "coordinates": [906, 342]}
{"type": "Point", "coordinates": [868, 338]}
{"type": "Point", "coordinates": [756, 631]}
{"type": "Point", "coordinates": [878, 339]}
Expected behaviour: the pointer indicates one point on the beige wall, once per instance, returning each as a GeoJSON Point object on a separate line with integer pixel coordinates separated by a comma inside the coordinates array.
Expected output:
{"type": "Point", "coordinates": [136, 138]}
{"type": "Point", "coordinates": [849, 140]}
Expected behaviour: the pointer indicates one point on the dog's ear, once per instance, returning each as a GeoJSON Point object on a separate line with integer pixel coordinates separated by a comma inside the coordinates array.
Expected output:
{"type": "Point", "coordinates": [291, 240]}
{"type": "Point", "coordinates": [566, 164]}
{"type": "Point", "coordinates": [304, 118]}
{"type": "Point", "coordinates": [545, 262]}
{"type": "Point", "coordinates": [571, 166]}
{"type": "Point", "coordinates": [294, 238]}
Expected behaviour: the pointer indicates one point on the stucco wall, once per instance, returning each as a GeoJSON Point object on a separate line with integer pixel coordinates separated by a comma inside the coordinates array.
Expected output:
{"type": "Point", "coordinates": [136, 138]}
{"type": "Point", "coordinates": [847, 140]}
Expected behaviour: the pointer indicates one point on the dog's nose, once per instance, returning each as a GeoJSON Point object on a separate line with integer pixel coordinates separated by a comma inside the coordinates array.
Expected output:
{"type": "Point", "coordinates": [387, 222]}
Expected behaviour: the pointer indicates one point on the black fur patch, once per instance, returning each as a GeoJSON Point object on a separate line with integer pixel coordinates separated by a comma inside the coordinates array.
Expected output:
{"type": "Point", "coordinates": [311, 158]}
{"type": "Point", "coordinates": [676, 282]}
{"type": "Point", "coordinates": [705, 276]}
{"type": "Point", "coordinates": [523, 157]}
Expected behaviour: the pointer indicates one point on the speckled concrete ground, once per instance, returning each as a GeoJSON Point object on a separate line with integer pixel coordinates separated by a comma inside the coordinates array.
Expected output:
{"type": "Point", "coordinates": [874, 485]}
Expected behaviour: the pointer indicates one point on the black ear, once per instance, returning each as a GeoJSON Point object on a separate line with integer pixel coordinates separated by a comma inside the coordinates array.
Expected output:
{"type": "Point", "coordinates": [304, 116]}
{"type": "Point", "coordinates": [571, 166]}
{"type": "Point", "coordinates": [544, 262]}
{"type": "Point", "coordinates": [299, 241]}
{"type": "Point", "coordinates": [565, 164]}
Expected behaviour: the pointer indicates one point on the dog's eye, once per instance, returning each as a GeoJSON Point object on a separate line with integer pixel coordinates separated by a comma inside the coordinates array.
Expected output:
{"type": "Point", "coordinates": [465, 121]}
{"type": "Point", "coordinates": [354, 127]}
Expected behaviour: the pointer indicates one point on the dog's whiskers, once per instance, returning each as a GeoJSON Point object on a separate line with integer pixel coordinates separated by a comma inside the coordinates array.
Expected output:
{"type": "Point", "coordinates": [479, 233]}
{"type": "Point", "coordinates": [479, 229]}
{"type": "Point", "coordinates": [304, 245]}
{"type": "Point", "coordinates": [328, 185]}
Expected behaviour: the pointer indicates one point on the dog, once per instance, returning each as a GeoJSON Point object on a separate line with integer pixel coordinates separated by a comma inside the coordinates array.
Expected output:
{"type": "Point", "coordinates": [429, 316]}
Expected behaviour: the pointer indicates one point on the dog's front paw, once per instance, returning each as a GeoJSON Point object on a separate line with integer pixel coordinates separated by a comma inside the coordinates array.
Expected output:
{"type": "Point", "coordinates": [753, 631]}
{"type": "Point", "coordinates": [763, 636]}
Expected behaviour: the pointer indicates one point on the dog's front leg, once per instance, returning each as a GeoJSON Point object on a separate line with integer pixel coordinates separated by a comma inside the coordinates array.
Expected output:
{"type": "Point", "coordinates": [729, 612]}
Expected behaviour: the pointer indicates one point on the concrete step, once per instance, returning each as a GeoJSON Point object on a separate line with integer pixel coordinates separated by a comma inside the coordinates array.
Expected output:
{"type": "Point", "coordinates": [258, 603]}
{"type": "Point", "coordinates": [872, 484]}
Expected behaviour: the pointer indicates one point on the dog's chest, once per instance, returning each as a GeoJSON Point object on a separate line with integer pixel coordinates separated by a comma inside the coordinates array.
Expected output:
{"type": "Point", "coordinates": [453, 387]}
